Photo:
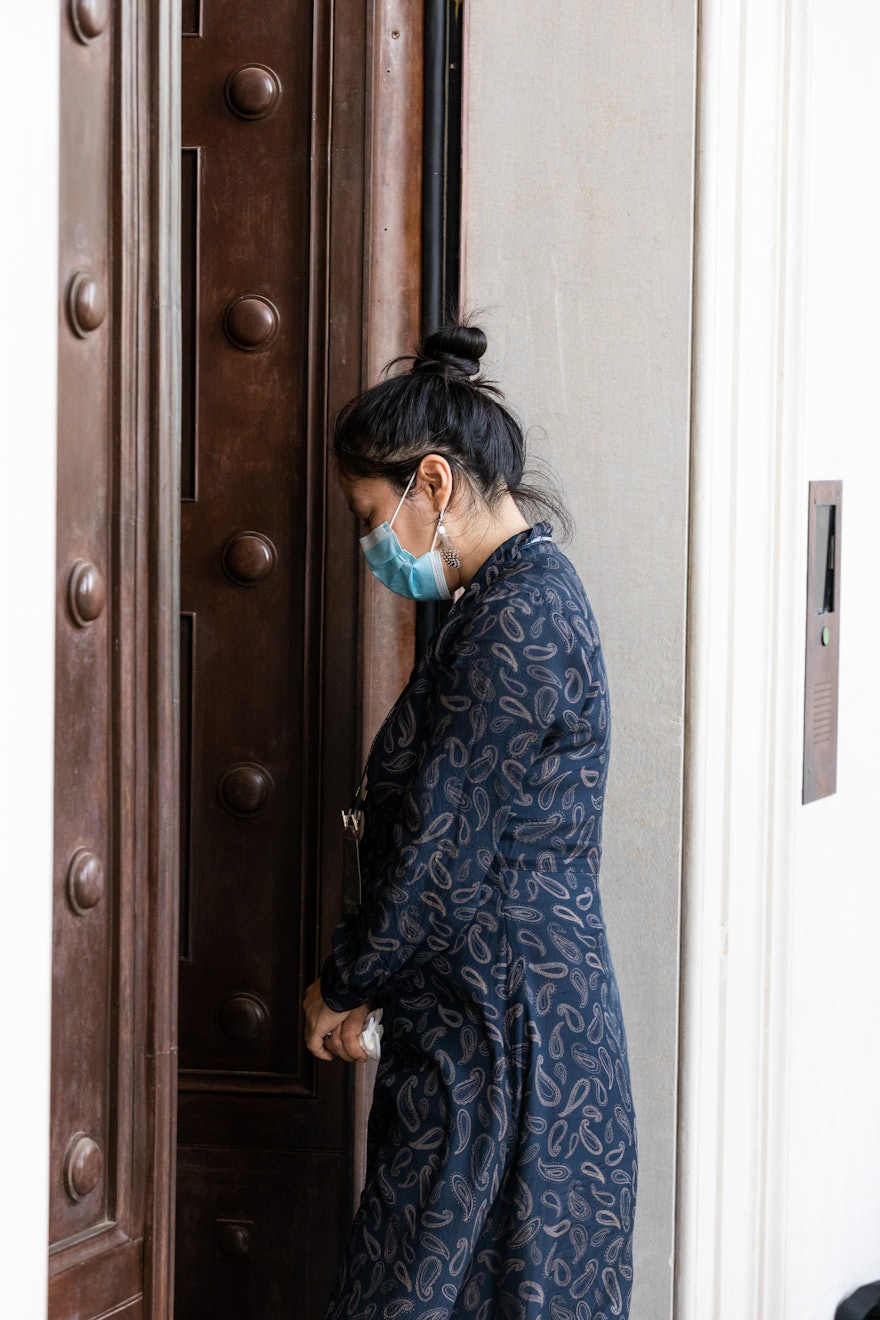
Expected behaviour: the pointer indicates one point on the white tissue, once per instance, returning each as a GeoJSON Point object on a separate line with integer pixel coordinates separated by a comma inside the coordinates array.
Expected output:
{"type": "Point", "coordinates": [371, 1036]}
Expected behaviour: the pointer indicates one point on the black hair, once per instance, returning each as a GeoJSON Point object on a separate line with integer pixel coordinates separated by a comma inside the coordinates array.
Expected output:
{"type": "Point", "coordinates": [442, 405]}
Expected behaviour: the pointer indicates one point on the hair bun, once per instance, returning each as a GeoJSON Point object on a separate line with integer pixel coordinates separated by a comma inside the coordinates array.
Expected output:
{"type": "Point", "coordinates": [452, 350]}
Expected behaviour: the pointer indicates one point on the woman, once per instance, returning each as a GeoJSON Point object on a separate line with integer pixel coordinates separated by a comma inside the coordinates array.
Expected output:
{"type": "Point", "coordinates": [501, 1146]}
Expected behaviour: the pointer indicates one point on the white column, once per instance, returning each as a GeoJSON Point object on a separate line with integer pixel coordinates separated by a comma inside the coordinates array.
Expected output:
{"type": "Point", "coordinates": [743, 670]}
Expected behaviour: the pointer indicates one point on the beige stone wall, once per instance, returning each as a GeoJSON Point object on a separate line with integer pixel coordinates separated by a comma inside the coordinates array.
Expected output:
{"type": "Point", "coordinates": [578, 219]}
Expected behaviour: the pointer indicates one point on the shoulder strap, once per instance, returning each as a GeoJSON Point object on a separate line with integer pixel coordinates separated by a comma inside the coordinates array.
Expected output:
{"type": "Point", "coordinates": [864, 1304]}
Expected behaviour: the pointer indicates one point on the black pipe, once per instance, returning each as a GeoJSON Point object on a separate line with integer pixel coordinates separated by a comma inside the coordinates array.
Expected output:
{"type": "Point", "coordinates": [454, 111]}
{"type": "Point", "coordinates": [441, 197]}
{"type": "Point", "coordinates": [434, 149]}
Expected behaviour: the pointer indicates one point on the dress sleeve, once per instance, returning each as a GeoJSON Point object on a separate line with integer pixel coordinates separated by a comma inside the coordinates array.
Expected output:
{"type": "Point", "coordinates": [510, 692]}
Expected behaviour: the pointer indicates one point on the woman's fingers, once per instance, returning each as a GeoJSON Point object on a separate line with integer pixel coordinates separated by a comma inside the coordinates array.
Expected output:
{"type": "Point", "coordinates": [344, 1040]}
{"type": "Point", "coordinates": [320, 1022]}
{"type": "Point", "coordinates": [333, 1035]}
{"type": "Point", "coordinates": [318, 1042]}
{"type": "Point", "coordinates": [350, 1047]}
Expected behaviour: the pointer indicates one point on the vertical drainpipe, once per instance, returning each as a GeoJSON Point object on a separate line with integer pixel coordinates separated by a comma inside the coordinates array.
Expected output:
{"type": "Point", "coordinates": [434, 148]}
{"type": "Point", "coordinates": [441, 193]}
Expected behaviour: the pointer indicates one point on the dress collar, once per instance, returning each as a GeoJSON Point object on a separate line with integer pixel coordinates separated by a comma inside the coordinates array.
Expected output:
{"type": "Point", "coordinates": [508, 552]}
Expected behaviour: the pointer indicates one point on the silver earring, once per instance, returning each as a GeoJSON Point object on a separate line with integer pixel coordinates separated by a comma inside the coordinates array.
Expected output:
{"type": "Point", "coordinates": [447, 549]}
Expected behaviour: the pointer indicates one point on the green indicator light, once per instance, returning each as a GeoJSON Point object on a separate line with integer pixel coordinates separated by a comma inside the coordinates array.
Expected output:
{"type": "Point", "coordinates": [826, 635]}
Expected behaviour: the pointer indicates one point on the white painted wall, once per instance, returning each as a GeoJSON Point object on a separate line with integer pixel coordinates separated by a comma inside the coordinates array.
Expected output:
{"type": "Point", "coordinates": [29, 240]}
{"type": "Point", "coordinates": [578, 224]}
{"type": "Point", "coordinates": [780, 1140]}
{"type": "Point", "coordinates": [834, 1082]}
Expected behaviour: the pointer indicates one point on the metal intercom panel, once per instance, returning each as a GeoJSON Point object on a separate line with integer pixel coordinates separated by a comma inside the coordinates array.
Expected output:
{"type": "Point", "coordinates": [823, 640]}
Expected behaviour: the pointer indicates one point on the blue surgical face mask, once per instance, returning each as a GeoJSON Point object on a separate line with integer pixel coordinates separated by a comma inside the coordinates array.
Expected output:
{"type": "Point", "coordinates": [419, 578]}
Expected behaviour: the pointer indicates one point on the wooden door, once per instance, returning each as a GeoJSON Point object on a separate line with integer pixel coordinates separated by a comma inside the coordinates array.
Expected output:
{"type": "Point", "coordinates": [224, 722]}
{"type": "Point", "coordinates": [272, 219]}
{"type": "Point", "coordinates": [115, 761]}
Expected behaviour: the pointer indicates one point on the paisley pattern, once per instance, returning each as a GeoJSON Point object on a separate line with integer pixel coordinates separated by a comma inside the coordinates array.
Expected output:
{"type": "Point", "coordinates": [501, 1154]}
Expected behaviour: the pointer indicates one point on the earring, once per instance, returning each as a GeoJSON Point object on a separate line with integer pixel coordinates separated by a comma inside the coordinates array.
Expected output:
{"type": "Point", "coordinates": [446, 548]}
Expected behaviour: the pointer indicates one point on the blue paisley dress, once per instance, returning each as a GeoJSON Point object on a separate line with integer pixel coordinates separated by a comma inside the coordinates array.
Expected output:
{"type": "Point", "coordinates": [501, 1171]}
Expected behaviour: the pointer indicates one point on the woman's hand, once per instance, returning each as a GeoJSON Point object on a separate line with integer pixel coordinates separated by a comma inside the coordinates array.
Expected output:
{"type": "Point", "coordinates": [333, 1035]}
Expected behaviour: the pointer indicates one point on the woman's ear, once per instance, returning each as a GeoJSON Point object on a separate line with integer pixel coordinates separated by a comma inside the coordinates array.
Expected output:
{"type": "Point", "coordinates": [435, 475]}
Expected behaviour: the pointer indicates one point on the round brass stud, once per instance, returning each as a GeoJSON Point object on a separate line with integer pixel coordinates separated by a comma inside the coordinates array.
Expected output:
{"type": "Point", "coordinates": [248, 558]}
{"type": "Point", "coordinates": [235, 1239]}
{"type": "Point", "coordinates": [86, 592]}
{"type": "Point", "coordinates": [251, 323]}
{"type": "Point", "coordinates": [85, 881]}
{"type": "Point", "coordinates": [252, 91]}
{"type": "Point", "coordinates": [242, 1018]}
{"type": "Point", "coordinates": [83, 1166]}
{"type": "Point", "coordinates": [89, 18]}
{"type": "Point", "coordinates": [86, 303]}
{"type": "Point", "coordinates": [246, 789]}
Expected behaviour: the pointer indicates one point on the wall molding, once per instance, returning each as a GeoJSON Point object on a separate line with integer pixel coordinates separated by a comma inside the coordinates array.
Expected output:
{"type": "Point", "coordinates": [745, 642]}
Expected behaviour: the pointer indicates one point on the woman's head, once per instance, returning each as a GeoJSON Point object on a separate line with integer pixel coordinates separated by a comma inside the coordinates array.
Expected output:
{"type": "Point", "coordinates": [440, 405]}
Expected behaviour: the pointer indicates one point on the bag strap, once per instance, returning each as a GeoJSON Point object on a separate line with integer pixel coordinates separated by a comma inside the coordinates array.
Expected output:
{"type": "Point", "coordinates": [864, 1304]}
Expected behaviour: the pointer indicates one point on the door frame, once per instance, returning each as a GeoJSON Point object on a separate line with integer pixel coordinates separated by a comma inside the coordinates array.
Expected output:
{"type": "Point", "coordinates": [391, 314]}
{"type": "Point", "coordinates": [159, 84]}
{"type": "Point", "coordinates": [138, 247]}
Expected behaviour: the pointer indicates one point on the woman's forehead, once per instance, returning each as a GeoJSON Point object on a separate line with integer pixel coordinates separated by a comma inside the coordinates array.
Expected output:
{"type": "Point", "coordinates": [358, 490]}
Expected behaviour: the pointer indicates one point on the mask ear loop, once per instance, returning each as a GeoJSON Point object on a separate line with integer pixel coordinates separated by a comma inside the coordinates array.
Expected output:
{"type": "Point", "coordinates": [447, 549]}
{"type": "Point", "coordinates": [403, 497]}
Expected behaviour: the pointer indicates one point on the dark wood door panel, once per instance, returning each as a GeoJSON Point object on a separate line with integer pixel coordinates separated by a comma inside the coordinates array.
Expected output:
{"type": "Point", "coordinates": [247, 111]}
{"type": "Point", "coordinates": [267, 707]}
{"type": "Point", "coordinates": [258, 1118]}
{"type": "Point", "coordinates": [254, 1227]}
